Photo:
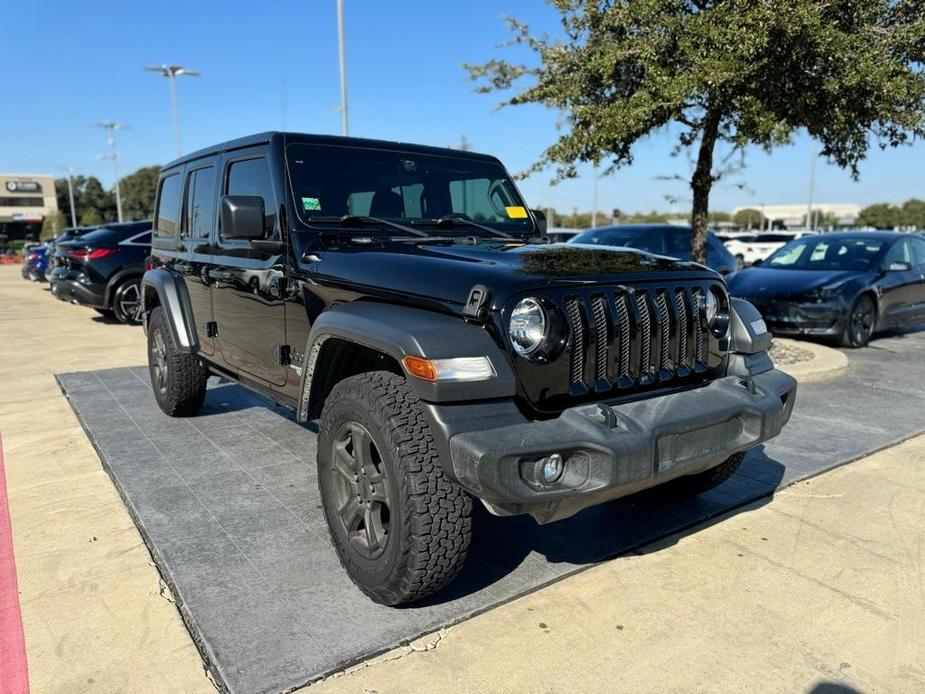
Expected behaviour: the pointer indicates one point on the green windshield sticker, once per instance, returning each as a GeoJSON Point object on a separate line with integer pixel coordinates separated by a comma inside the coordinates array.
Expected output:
{"type": "Point", "coordinates": [311, 204]}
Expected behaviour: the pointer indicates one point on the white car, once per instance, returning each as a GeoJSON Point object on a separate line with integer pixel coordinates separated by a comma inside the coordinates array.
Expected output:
{"type": "Point", "coordinates": [751, 247]}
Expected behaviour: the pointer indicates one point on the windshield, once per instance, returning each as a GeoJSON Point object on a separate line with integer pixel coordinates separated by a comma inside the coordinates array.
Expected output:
{"type": "Point", "coordinates": [631, 238]}
{"type": "Point", "coordinates": [826, 254]}
{"type": "Point", "coordinates": [333, 181]}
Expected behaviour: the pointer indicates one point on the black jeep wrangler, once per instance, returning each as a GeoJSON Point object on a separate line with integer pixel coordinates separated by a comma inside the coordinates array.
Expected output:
{"type": "Point", "coordinates": [407, 297]}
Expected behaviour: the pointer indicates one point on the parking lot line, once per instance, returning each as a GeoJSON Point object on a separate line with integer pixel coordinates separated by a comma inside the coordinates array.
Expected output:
{"type": "Point", "coordinates": [14, 673]}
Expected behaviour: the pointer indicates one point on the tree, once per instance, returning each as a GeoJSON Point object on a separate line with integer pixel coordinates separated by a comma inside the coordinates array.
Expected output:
{"type": "Point", "coordinates": [731, 73]}
{"type": "Point", "coordinates": [750, 218]}
{"type": "Point", "coordinates": [879, 216]}
{"type": "Point", "coordinates": [90, 218]}
{"type": "Point", "coordinates": [912, 214]}
{"type": "Point", "coordinates": [138, 191]}
{"type": "Point", "coordinates": [52, 226]}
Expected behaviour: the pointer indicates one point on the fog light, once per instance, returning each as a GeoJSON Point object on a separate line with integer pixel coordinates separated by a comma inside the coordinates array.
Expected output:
{"type": "Point", "coordinates": [552, 468]}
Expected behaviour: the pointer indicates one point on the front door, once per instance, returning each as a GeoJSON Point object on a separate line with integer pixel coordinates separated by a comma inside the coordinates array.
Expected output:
{"type": "Point", "coordinates": [195, 247]}
{"type": "Point", "coordinates": [901, 288]}
{"type": "Point", "coordinates": [247, 282]}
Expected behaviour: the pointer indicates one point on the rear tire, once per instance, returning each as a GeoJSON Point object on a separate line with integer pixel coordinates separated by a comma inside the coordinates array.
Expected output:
{"type": "Point", "coordinates": [400, 526]}
{"type": "Point", "coordinates": [178, 379]}
{"type": "Point", "coordinates": [692, 485]}
{"type": "Point", "coordinates": [127, 305]}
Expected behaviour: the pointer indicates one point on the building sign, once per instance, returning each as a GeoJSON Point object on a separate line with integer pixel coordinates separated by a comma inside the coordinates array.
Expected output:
{"type": "Point", "coordinates": [23, 187]}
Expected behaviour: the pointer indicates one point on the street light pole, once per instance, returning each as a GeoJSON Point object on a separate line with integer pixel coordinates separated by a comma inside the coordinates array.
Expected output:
{"type": "Point", "coordinates": [342, 56]}
{"type": "Point", "coordinates": [70, 195]}
{"type": "Point", "coordinates": [171, 72]}
{"type": "Point", "coordinates": [111, 128]}
{"type": "Point", "coordinates": [812, 187]}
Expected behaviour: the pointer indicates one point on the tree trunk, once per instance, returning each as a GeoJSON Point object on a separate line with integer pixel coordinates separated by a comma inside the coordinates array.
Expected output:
{"type": "Point", "coordinates": [701, 183]}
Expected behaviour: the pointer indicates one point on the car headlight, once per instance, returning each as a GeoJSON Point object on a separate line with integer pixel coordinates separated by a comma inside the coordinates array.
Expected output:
{"type": "Point", "coordinates": [529, 327]}
{"type": "Point", "coordinates": [716, 312]}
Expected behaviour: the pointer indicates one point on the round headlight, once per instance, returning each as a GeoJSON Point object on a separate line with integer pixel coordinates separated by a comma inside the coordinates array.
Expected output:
{"type": "Point", "coordinates": [529, 327]}
{"type": "Point", "coordinates": [711, 307]}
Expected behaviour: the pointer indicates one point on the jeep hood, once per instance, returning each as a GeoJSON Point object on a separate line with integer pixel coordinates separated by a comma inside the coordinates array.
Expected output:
{"type": "Point", "coordinates": [446, 273]}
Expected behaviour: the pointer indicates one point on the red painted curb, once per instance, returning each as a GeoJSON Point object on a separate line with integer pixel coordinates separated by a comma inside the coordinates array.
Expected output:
{"type": "Point", "coordinates": [14, 673]}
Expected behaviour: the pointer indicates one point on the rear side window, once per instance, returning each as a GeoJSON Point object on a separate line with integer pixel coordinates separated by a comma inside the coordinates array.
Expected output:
{"type": "Point", "coordinates": [252, 177]}
{"type": "Point", "coordinates": [168, 206]}
{"type": "Point", "coordinates": [200, 203]}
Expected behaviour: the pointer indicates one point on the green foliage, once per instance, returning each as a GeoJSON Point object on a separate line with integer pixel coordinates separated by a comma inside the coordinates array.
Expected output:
{"type": "Point", "coordinates": [52, 226]}
{"type": "Point", "coordinates": [911, 214]}
{"type": "Point", "coordinates": [728, 72]}
{"type": "Point", "coordinates": [91, 218]}
{"type": "Point", "coordinates": [750, 218]}
{"type": "Point", "coordinates": [138, 191]}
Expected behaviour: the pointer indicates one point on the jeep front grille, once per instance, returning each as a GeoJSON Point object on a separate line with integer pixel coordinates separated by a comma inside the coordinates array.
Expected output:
{"type": "Point", "coordinates": [626, 338]}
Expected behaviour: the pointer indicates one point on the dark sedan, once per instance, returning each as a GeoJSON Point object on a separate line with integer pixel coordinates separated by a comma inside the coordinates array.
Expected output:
{"type": "Point", "coordinates": [660, 239]}
{"type": "Point", "coordinates": [103, 269]}
{"type": "Point", "coordinates": [844, 285]}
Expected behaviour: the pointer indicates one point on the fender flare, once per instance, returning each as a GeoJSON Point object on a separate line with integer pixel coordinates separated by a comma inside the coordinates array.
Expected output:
{"type": "Point", "coordinates": [172, 295]}
{"type": "Point", "coordinates": [398, 331]}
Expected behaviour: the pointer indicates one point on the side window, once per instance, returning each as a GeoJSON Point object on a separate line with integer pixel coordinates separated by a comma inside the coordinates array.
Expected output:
{"type": "Point", "coordinates": [679, 242]}
{"type": "Point", "coordinates": [252, 177]}
{"type": "Point", "coordinates": [918, 251]}
{"type": "Point", "coordinates": [200, 204]}
{"type": "Point", "coordinates": [901, 252]}
{"type": "Point", "coordinates": [651, 241]}
{"type": "Point", "coordinates": [168, 207]}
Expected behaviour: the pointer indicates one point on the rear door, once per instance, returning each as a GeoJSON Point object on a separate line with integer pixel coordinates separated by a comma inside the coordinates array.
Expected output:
{"type": "Point", "coordinates": [247, 282]}
{"type": "Point", "coordinates": [197, 229]}
{"type": "Point", "coordinates": [918, 256]}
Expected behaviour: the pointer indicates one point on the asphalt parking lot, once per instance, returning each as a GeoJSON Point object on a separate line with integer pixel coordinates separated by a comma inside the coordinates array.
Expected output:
{"type": "Point", "coordinates": [832, 425]}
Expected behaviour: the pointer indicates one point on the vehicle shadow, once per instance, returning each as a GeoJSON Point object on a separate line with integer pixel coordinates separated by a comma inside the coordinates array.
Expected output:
{"type": "Point", "coordinates": [515, 554]}
{"type": "Point", "coordinates": [648, 519]}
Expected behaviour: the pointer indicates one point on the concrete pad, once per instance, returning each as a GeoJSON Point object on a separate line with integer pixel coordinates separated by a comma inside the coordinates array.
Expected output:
{"type": "Point", "coordinates": [95, 614]}
{"type": "Point", "coordinates": [818, 591]}
{"type": "Point", "coordinates": [228, 504]}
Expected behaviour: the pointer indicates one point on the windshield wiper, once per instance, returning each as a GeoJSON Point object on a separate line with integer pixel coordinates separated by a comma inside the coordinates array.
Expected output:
{"type": "Point", "coordinates": [348, 219]}
{"type": "Point", "coordinates": [453, 221]}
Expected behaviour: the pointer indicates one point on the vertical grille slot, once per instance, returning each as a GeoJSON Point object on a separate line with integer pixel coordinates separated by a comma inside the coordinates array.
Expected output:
{"type": "Point", "coordinates": [664, 331]}
{"type": "Point", "coordinates": [601, 340]}
{"type": "Point", "coordinates": [623, 337]}
{"type": "Point", "coordinates": [645, 336]}
{"type": "Point", "coordinates": [681, 310]}
{"type": "Point", "coordinates": [700, 307]}
{"type": "Point", "coordinates": [577, 351]}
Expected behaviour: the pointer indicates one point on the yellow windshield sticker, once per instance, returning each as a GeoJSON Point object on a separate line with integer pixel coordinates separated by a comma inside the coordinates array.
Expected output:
{"type": "Point", "coordinates": [516, 212]}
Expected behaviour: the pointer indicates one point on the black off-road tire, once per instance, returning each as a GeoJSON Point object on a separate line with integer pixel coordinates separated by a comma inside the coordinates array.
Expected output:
{"type": "Point", "coordinates": [182, 390]}
{"type": "Point", "coordinates": [692, 485]}
{"type": "Point", "coordinates": [429, 515]}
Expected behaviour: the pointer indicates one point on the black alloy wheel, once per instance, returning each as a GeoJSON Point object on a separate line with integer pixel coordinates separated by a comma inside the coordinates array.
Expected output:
{"type": "Point", "coordinates": [160, 367]}
{"type": "Point", "coordinates": [861, 323]}
{"type": "Point", "coordinates": [362, 490]}
{"type": "Point", "coordinates": [127, 304]}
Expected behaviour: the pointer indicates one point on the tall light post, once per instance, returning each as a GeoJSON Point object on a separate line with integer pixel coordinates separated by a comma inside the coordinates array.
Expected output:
{"type": "Point", "coordinates": [70, 195]}
{"type": "Point", "coordinates": [342, 57]}
{"type": "Point", "coordinates": [812, 186]}
{"type": "Point", "coordinates": [171, 72]}
{"type": "Point", "coordinates": [111, 128]}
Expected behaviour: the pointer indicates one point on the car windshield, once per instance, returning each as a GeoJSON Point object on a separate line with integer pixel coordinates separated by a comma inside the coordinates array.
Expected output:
{"type": "Point", "coordinates": [607, 237]}
{"type": "Point", "coordinates": [330, 182]}
{"type": "Point", "coordinates": [826, 253]}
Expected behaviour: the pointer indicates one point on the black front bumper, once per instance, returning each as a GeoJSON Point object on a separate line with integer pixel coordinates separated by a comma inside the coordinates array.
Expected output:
{"type": "Point", "coordinates": [612, 451]}
{"type": "Point", "coordinates": [796, 317]}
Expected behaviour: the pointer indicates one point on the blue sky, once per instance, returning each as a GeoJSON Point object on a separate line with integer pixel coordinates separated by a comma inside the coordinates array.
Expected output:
{"type": "Point", "coordinates": [273, 65]}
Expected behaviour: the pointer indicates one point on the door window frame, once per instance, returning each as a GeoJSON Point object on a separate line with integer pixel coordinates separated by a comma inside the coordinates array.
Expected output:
{"type": "Point", "coordinates": [226, 165]}
{"type": "Point", "coordinates": [199, 165]}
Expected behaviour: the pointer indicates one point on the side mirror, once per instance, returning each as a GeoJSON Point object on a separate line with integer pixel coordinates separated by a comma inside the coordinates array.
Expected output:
{"type": "Point", "coordinates": [540, 218]}
{"type": "Point", "coordinates": [899, 266]}
{"type": "Point", "coordinates": [757, 262]}
{"type": "Point", "coordinates": [242, 217]}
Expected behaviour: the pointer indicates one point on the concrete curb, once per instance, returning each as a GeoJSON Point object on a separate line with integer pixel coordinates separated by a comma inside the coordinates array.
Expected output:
{"type": "Point", "coordinates": [826, 362]}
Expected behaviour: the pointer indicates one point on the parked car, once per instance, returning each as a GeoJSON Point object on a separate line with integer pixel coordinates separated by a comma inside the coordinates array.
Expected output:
{"type": "Point", "coordinates": [35, 263]}
{"type": "Point", "coordinates": [661, 239]}
{"type": "Point", "coordinates": [103, 269]}
{"type": "Point", "coordinates": [749, 248]}
{"type": "Point", "coordinates": [845, 285]}
{"type": "Point", "coordinates": [390, 290]}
